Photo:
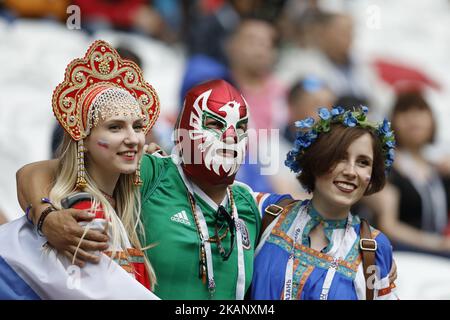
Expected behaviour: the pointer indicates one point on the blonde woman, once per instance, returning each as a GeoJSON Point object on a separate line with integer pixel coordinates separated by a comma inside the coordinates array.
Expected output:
{"type": "Point", "coordinates": [106, 108]}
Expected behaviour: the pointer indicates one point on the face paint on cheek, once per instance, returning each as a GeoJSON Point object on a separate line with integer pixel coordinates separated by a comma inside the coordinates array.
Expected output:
{"type": "Point", "coordinates": [103, 143]}
{"type": "Point", "coordinates": [367, 178]}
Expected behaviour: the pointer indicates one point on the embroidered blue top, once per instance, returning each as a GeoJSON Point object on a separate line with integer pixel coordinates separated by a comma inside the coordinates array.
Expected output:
{"type": "Point", "coordinates": [284, 272]}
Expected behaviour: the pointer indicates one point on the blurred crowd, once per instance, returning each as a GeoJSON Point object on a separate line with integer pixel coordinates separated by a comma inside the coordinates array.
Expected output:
{"type": "Point", "coordinates": [288, 57]}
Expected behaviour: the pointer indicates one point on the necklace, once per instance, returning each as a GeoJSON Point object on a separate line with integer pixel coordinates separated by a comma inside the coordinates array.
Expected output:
{"type": "Point", "coordinates": [206, 272]}
{"type": "Point", "coordinates": [215, 239]}
{"type": "Point", "coordinates": [218, 238]}
{"type": "Point", "coordinates": [110, 198]}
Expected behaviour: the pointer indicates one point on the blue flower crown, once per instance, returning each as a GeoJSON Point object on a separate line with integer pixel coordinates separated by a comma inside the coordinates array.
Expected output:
{"type": "Point", "coordinates": [309, 132]}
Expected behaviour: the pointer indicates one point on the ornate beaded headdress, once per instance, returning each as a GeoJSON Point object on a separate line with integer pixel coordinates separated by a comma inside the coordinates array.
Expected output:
{"type": "Point", "coordinates": [309, 131]}
{"type": "Point", "coordinates": [101, 84]}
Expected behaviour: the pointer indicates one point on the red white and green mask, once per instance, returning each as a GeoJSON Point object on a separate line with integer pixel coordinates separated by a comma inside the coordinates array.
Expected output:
{"type": "Point", "coordinates": [212, 132]}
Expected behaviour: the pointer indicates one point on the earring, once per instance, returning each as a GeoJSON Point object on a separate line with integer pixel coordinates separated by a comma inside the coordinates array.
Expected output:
{"type": "Point", "coordinates": [81, 181]}
{"type": "Point", "coordinates": [137, 175]}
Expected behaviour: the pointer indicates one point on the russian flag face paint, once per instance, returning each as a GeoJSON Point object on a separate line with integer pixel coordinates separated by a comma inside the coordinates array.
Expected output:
{"type": "Point", "coordinates": [103, 143]}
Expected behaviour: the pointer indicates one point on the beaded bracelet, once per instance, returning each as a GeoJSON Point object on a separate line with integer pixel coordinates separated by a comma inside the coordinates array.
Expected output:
{"type": "Point", "coordinates": [40, 223]}
{"type": "Point", "coordinates": [44, 215]}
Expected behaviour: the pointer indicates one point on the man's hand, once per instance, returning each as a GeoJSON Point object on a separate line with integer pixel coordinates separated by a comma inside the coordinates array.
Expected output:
{"type": "Point", "coordinates": [64, 234]}
{"type": "Point", "coordinates": [152, 148]}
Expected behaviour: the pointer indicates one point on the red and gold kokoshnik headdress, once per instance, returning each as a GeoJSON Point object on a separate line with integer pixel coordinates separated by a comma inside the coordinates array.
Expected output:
{"type": "Point", "coordinates": [101, 71]}
{"type": "Point", "coordinates": [101, 68]}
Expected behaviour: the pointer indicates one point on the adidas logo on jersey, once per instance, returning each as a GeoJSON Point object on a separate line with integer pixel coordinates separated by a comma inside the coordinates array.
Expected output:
{"type": "Point", "coordinates": [181, 217]}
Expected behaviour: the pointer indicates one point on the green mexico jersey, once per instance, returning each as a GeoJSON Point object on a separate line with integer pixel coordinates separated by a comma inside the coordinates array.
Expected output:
{"type": "Point", "coordinates": [170, 226]}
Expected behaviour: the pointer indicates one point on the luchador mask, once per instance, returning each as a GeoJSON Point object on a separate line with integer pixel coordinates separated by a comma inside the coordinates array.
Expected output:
{"type": "Point", "coordinates": [212, 132]}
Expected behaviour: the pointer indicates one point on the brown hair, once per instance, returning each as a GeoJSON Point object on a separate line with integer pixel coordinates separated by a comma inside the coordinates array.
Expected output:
{"type": "Point", "coordinates": [323, 155]}
{"type": "Point", "coordinates": [412, 101]}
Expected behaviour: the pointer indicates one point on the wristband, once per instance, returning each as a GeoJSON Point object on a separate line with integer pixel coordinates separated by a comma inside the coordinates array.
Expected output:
{"type": "Point", "coordinates": [41, 220]}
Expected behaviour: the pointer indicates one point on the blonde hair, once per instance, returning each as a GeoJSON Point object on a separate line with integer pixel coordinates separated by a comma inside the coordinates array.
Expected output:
{"type": "Point", "coordinates": [126, 194]}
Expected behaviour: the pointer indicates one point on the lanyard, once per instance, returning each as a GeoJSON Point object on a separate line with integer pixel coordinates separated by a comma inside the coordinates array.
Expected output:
{"type": "Point", "coordinates": [240, 285]}
{"type": "Point", "coordinates": [300, 223]}
{"type": "Point", "coordinates": [206, 245]}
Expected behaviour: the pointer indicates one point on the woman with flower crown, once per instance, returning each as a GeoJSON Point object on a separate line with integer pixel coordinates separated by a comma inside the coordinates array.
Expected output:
{"type": "Point", "coordinates": [316, 249]}
{"type": "Point", "coordinates": [106, 108]}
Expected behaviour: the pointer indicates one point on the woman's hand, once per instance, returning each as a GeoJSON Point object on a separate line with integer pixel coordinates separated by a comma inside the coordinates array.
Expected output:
{"type": "Point", "coordinates": [64, 234]}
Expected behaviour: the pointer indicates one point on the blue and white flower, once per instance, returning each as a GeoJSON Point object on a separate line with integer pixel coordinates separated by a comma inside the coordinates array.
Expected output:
{"type": "Point", "coordinates": [336, 111]}
{"type": "Point", "coordinates": [350, 120]}
{"type": "Point", "coordinates": [324, 114]}
{"type": "Point", "coordinates": [305, 124]}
